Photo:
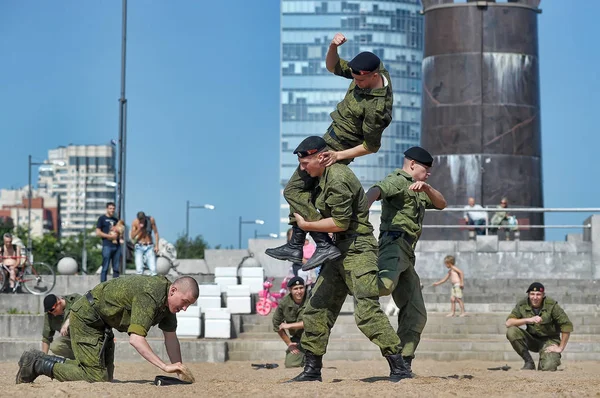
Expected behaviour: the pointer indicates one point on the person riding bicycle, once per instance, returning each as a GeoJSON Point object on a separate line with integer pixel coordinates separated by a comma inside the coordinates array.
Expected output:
{"type": "Point", "coordinates": [10, 256]}
{"type": "Point", "coordinates": [288, 316]}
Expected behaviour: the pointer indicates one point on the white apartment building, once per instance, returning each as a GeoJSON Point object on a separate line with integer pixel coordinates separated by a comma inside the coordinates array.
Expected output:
{"type": "Point", "coordinates": [82, 178]}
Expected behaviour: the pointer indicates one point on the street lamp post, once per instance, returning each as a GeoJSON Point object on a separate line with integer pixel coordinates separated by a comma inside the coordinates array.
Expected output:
{"type": "Point", "coordinates": [260, 222]}
{"type": "Point", "coordinates": [271, 235]}
{"type": "Point", "coordinates": [187, 214]}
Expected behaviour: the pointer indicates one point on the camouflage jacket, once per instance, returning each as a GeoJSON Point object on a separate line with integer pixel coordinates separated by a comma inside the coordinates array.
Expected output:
{"type": "Point", "coordinates": [401, 208]}
{"type": "Point", "coordinates": [554, 318]}
{"type": "Point", "coordinates": [52, 323]}
{"type": "Point", "coordinates": [340, 196]}
{"type": "Point", "coordinates": [135, 303]}
{"type": "Point", "coordinates": [289, 312]}
{"type": "Point", "coordinates": [362, 115]}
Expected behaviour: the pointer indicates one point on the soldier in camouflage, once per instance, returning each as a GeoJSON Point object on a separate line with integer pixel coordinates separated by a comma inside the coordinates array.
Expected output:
{"type": "Point", "coordinates": [341, 200]}
{"type": "Point", "coordinates": [288, 316]}
{"type": "Point", "coordinates": [56, 319]}
{"type": "Point", "coordinates": [356, 128]}
{"type": "Point", "coordinates": [548, 329]}
{"type": "Point", "coordinates": [404, 196]}
{"type": "Point", "coordinates": [131, 304]}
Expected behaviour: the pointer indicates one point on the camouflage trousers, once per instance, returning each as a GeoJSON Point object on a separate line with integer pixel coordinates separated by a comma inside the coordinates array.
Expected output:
{"type": "Point", "coordinates": [355, 273]}
{"type": "Point", "coordinates": [94, 349]}
{"type": "Point", "coordinates": [397, 276]}
{"type": "Point", "coordinates": [523, 341]}
{"type": "Point", "coordinates": [62, 346]}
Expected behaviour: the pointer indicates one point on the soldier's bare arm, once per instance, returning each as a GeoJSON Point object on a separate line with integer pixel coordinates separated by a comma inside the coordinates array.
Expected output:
{"type": "Point", "coordinates": [330, 157]}
{"type": "Point", "coordinates": [332, 57]}
{"type": "Point", "coordinates": [172, 346]}
{"type": "Point", "coordinates": [437, 199]}
{"type": "Point", "coordinates": [141, 345]}
{"type": "Point", "coordinates": [564, 339]}
{"type": "Point", "coordinates": [373, 194]}
{"type": "Point", "coordinates": [323, 225]}
{"type": "Point", "coordinates": [522, 321]}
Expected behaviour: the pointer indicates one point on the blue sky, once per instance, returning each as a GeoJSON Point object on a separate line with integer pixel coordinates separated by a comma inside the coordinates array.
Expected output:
{"type": "Point", "coordinates": [203, 110]}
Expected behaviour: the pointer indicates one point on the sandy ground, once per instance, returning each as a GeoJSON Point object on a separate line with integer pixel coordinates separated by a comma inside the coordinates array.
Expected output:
{"type": "Point", "coordinates": [340, 378]}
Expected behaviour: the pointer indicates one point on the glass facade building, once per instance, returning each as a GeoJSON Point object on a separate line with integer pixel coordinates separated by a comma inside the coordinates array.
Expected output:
{"type": "Point", "coordinates": [392, 29]}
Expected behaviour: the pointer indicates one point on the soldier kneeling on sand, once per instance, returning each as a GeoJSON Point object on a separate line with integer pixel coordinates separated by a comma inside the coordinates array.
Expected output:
{"type": "Point", "coordinates": [548, 329]}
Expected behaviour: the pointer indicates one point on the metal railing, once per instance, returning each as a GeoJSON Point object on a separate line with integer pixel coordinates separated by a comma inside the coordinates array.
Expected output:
{"type": "Point", "coordinates": [515, 210]}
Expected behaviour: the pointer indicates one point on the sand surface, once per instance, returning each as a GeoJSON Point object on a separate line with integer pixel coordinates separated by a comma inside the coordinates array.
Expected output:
{"type": "Point", "coordinates": [340, 378]}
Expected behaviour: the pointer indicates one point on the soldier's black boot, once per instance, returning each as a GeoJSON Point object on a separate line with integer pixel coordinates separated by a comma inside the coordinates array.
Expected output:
{"type": "Point", "coordinates": [408, 363]}
{"type": "Point", "coordinates": [40, 354]}
{"type": "Point", "coordinates": [291, 251]}
{"type": "Point", "coordinates": [326, 251]}
{"type": "Point", "coordinates": [31, 366]}
{"type": "Point", "coordinates": [398, 370]}
{"type": "Point", "coordinates": [312, 368]}
{"type": "Point", "coordinates": [529, 364]}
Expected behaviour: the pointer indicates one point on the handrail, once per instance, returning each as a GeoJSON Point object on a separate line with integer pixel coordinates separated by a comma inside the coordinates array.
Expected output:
{"type": "Point", "coordinates": [519, 227]}
{"type": "Point", "coordinates": [525, 209]}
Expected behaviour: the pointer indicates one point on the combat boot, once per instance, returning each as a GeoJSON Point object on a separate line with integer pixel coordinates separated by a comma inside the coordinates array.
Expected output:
{"type": "Point", "coordinates": [408, 363]}
{"type": "Point", "coordinates": [326, 251]}
{"type": "Point", "coordinates": [529, 364]}
{"type": "Point", "coordinates": [291, 251]}
{"type": "Point", "coordinates": [40, 354]}
{"type": "Point", "coordinates": [312, 368]}
{"type": "Point", "coordinates": [31, 365]}
{"type": "Point", "coordinates": [398, 370]}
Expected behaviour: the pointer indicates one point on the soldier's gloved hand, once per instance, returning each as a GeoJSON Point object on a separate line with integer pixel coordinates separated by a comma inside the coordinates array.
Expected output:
{"type": "Point", "coordinates": [338, 40]}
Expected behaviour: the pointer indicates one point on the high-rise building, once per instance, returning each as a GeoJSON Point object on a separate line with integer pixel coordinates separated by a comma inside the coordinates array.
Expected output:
{"type": "Point", "coordinates": [82, 177]}
{"type": "Point", "coordinates": [392, 29]}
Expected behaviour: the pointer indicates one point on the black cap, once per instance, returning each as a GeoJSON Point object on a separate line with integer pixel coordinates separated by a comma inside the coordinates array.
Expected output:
{"type": "Point", "coordinates": [49, 302]}
{"type": "Point", "coordinates": [295, 281]}
{"type": "Point", "coordinates": [310, 146]}
{"type": "Point", "coordinates": [363, 63]}
{"type": "Point", "coordinates": [420, 155]}
{"type": "Point", "coordinates": [536, 287]}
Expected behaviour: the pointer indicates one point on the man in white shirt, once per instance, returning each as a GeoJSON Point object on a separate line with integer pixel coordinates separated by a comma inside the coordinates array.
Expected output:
{"type": "Point", "coordinates": [474, 215]}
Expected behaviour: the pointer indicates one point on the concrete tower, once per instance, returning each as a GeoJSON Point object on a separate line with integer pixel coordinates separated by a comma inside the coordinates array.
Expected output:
{"type": "Point", "coordinates": [481, 106]}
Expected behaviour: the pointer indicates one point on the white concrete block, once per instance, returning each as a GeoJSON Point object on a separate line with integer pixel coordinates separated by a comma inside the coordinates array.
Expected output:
{"type": "Point", "coordinates": [217, 324]}
{"type": "Point", "coordinates": [225, 281]}
{"type": "Point", "coordinates": [255, 283]}
{"type": "Point", "coordinates": [225, 272]}
{"type": "Point", "coordinates": [193, 311]}
{"type": "Point", "coordinates": [239, 305]}
{"type": "Point", "coordinates": [209, 289]}
{"type": "Point", "coordinates": [189, 327]}
{"type": "Point", "coordinates": [238, 291]}
{"type": "Point", "coordinates": [255, 272]}
{"type": "Point", "coordinates": [206, 303]}
{"type": "Point", "coordinates": [217, 313]}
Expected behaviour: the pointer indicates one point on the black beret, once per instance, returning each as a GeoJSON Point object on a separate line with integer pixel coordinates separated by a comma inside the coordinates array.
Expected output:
{"type": "Point", "coordinates": [295, 281]}
{"type": "Point", "coordinates": [49, 302]}
{"type": "Point", "coordinates": [363, 63]}
{"type": "Point", "coordinates": [420, 155]}
{"type": "Point", "coordinates": [536, 287]}
{"type": "Point", "coordinates": [310, 146]}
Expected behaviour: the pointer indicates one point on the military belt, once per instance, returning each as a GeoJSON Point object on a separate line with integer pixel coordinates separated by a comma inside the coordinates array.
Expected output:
{"type": "Point", "coordinates": [345, 236]}
{"type": "Point", "coordinates": [335, 137]}
{"type": "Point", "coordinates": [399, 234]}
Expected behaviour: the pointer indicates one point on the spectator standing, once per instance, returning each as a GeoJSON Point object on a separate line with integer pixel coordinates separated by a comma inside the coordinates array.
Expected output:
{"type": "Point", "coordinates": [111, 249]}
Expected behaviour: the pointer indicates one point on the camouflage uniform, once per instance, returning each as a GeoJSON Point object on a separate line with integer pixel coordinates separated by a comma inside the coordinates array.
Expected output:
{"type": "Point", "coordinates": [52, 324]}
{"type": "Point", "coordinates": [402, 212]}
{"type": "Point", "coordinates": [130, 304]}
{"type": "Point", "coordinates": [340, 196]}
{"type": "Point", "coordinates": [359, 119]}
{"type": "Point", "coordinates": [539, 336]}
{"type": "Point", "coordinates": [289, 312]}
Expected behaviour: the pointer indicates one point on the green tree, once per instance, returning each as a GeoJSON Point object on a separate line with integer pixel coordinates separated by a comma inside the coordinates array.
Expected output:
{"type": "Point", "coordinates": [6, 225]}
{"type": "Point", "coordinates": [46, 249]}
{"type": "Point", "coordinates": [73, 247]}
{"type": "Point", "coordinates": [191, 248]}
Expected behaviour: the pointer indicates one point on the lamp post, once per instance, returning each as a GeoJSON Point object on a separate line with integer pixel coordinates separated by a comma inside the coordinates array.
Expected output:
{"type": "Point", "coordinates": [271, 235]}
{"type": "Point", "coordinates": [187, 214]}
{"type": "Point", "coordinates": [257, 221]}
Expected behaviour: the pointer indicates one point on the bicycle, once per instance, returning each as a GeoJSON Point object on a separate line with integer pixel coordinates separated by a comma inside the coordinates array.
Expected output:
{"type": "Point", "coordinates": [37, 278]}
{"type": "Point", "coordinates": [267, 300]}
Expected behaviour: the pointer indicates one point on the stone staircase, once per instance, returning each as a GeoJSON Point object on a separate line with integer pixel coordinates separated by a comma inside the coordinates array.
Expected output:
{"type": "Point", "coordinates": [479, 336]}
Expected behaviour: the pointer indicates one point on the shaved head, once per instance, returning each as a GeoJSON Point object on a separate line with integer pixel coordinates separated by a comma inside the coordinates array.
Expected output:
{"type": "Point", "coordinates": [187, 284]}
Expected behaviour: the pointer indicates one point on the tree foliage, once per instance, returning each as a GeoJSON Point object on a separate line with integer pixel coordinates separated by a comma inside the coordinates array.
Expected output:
{"type": "Point", "coordinates": [191, 248]}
